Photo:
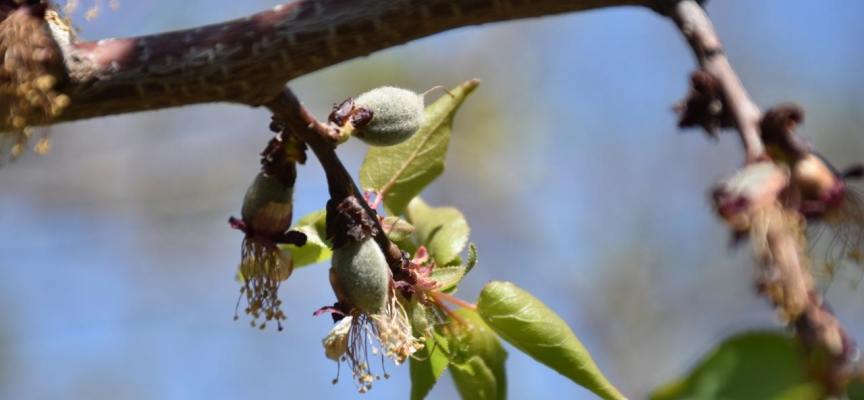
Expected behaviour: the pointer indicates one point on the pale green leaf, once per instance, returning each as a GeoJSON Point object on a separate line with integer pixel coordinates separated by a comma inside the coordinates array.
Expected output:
{"type": "Point", "coordinates": [478, 359]}
{"type": "Point", "coordinates": [402, 171]}
{"type": "Point", "coordinates": [749, 366]}
{"type": "Point", "coordinates": [474, 380]}
{"type": "Point", "coordinates": [447, 277]}
{"type": "Point", "coordinates": [443, 230]}
{"type": "Point", "coordinates": [454, 262]}
{"type": "Point", "coordinates": [396, 228]}
{"type": "Point", "coordinates": [427, 364]}
{"type": "Point", "coordinates": [472, 257]}
{"type": "Point", "coordinates": [317, 247]}
{"type": "Point", "coordinates": [530, 326]}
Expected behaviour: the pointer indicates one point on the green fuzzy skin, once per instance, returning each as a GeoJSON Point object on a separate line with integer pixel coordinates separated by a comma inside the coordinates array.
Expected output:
{"type": "Point", "coordinates": [396, 115]}
{"type": "Point", "coordinates": [263, 192]}
{"type": "Point", "coordinates": [363, 275]}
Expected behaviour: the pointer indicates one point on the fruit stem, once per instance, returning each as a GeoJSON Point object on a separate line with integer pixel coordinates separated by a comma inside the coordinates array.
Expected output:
{"type": "Point", "coordinates": [454, 300]}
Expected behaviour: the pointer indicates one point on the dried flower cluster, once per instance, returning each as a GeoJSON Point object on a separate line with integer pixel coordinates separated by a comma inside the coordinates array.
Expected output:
{"type": "Point", "coordinates": [358, 334]}
{"type": "Point", "coordinates": [31, 70]}
{"type": "Point", "coordinates": [266, 215]}
{"type": "Point", "coordinates": [772, 202]}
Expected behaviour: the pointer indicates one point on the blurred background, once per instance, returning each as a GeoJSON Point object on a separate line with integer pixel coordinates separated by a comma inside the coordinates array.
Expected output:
{"type": "Point", "coordinates": [118, 262]}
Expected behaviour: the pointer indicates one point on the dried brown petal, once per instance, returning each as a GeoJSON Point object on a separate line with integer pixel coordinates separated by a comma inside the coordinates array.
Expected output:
{"type": "Point", "coordinates": [704, 105]}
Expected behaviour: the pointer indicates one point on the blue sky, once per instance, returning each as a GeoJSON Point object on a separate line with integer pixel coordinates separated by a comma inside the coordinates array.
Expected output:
{"type": "Point", "coordinates": [118, 262]}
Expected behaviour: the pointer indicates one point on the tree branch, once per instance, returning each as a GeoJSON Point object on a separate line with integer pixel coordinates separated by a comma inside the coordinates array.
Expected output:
{"type": "Point", "coordinates": [298, 121]}
{"type": "Point", "coordinates": [699, 32]}
{"type": "Point", "coordinates": [249, 60]}
{"type": "Point", "coordinates": [756, 202]}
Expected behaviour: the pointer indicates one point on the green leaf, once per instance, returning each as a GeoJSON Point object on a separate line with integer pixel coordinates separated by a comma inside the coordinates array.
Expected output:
{"type": "Point", "coordinates": [754, 365]}
{"type": "Point", "coordinates": [443, 230]}
{"type": "Point", "coordinates": [426, 371]}
{"type": "Point", "coordinates": [428, 363]}
{"type": "Point", "coordinates": [474, 380]}
{"type": "Point", "coordinates": [472, 258]}
{"type": "Point", "coordinates": [402, 171]}
{"type": "Point", "coordinates": [448, 277]}
{"type": "Point", "coordinates": [317, 247]}
{"type": "Point", "coordinates": [530, 326]}
{"type": "Point", "coordinates": [396, 228]}
{"type": "Point", "coordinates": [855, 390]}
{"type": "Point", "coordinates": [477, 364]}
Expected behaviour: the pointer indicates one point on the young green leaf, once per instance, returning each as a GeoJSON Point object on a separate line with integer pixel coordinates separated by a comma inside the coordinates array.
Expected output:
{"type": "Point", "coordinates": [443, 230]}
{"type": "Point", "coordinates": [472, 258]}
{"type": "Point", "coordinates": [426, 371]}
{"type": "Point", "coordinates": [447, 277]}
{"type": "Point", "coordinates": [317, 247]}
{"type": "Point", "coordinates": [427, 364]}
{"type": "Point", "coordinates": [477, 364]}
{"type": "Point", "coordinates": [474, 380]}
{"type": "Point", "coordinates": [456, 262]}
{"type": "Point", "coordinates": [530, 326]}
{"type": "Point", "coordinates": [754, 365]}
{"type": "Point", "coordinates": [402, 171]}
{"type": "Point", "coordinates": [396, 228]}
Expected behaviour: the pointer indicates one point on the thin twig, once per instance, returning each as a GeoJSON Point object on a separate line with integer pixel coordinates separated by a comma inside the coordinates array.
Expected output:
{"type": "Point", "coordinates": [298, 121]}
{"type": "Point", "coordinates": [700, 34]}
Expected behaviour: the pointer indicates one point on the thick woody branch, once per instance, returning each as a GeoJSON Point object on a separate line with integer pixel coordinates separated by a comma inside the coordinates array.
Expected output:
{"type": "Point", "coordinates": [699, 32]}
{"type": "Point", "coordinates": [249, 60]}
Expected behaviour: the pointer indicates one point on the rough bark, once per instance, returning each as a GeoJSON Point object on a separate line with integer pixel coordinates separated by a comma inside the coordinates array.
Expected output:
{"type": "Point", "coordinates": [249, 60]}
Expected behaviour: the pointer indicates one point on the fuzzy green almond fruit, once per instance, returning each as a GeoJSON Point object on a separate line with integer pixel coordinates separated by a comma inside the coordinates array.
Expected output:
{"type": "Point", "coordinates": [396, 115]}
{"type": "Point", "coordinates": [268, 205]}
{"type": "Point", "coordinates": [363, 275]}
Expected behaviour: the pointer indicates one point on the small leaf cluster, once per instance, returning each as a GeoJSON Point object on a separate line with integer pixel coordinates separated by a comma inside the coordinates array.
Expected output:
{"type": "Point", "coordinates": [465, 340]}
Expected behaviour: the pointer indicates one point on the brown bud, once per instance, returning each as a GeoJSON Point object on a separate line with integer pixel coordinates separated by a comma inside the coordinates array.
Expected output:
{"type": "Point", "coordinates": [813, 177]}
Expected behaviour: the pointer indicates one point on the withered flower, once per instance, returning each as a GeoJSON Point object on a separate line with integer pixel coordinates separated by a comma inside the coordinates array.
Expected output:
{"type": "Point", "coordinates": [371, 311]}
{"type": "Point", "coordinates": [266, 217]}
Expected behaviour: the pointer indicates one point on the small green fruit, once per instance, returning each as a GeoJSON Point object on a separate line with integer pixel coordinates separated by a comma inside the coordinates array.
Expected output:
{"type": "Point", "coordinates": [363, 275]}
{"type": "Point", "coordinates": [396, 115]}
{"type": "Point", "coordinates": [268, 205]}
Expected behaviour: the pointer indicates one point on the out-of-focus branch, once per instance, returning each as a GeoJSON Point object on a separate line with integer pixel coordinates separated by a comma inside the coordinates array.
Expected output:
{"type": "Point", "coordinates": [788, 284]}
{"type": "Point", "coordinates": [699, 32]}
{"type": "Point", "coordinates": [759, 202]}
{"type": "Point", "coordinates": [249, 60]}
{"type": "Point", "coordinates": [755, 203]}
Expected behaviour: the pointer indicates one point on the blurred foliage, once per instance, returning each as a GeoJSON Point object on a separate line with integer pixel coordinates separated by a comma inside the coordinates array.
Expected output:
{"type": "Point", "coordinates": [748, 366]}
